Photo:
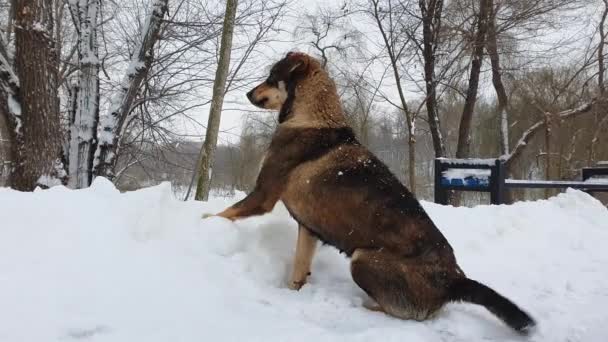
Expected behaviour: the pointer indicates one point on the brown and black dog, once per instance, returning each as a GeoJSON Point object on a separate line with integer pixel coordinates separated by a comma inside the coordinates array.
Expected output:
{"type": "Point", "coordinates": [341, 194]}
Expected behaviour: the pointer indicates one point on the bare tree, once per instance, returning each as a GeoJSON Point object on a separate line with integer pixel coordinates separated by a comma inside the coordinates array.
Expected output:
{"type": "Point", "coordinates": [113, 123]}
{"type": "Point", "coordinates": [329, 30]}
{"type": "Point", "coordinates": [387, 19]}
{"type": "Point", "coordinates": [464, 133]}
{"type": "Point", "coordinates": [527, 136]}
{"type": "Point", "coordinates": [431, 15]}
{"type": "Point", "coordinates": [501, 93]}
{"type": "Point", "coordinates": [219, 85]}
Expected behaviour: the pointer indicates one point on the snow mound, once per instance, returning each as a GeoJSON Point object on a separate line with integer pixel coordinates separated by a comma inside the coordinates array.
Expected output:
{"type": "Point", "coordinates": [97, 265]}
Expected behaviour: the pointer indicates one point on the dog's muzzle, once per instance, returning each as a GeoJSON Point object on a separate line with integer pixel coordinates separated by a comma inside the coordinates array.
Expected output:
{"type": "Point", "coordinates": [258, 103]}
{"type": "Point", "coordinates": [250, 95]}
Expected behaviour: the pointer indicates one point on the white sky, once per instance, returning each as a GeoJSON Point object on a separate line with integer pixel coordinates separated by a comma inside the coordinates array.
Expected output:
{"type": "Point", "coordinates": [232, 117]}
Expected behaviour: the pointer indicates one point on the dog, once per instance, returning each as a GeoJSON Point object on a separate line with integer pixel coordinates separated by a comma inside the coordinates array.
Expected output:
{"type": "Point", "coordinates": [341, 194]}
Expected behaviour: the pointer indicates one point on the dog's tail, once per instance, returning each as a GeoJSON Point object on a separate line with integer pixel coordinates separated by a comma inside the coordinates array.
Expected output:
{"type": "Point", "coordinates": [469, 290]}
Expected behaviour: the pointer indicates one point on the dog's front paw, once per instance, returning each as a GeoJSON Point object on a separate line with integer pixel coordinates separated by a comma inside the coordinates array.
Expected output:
{"type": "Point", "coordinates": [296, 285]}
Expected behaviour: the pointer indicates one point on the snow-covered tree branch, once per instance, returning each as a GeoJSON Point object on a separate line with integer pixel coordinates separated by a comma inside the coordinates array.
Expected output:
{"type": "Point", "coordinates": [539, 125]}
{"type": "Point", "coordinates": [113, 123]}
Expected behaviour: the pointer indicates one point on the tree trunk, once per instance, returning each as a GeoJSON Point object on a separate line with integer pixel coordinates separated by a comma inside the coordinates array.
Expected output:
{"type": "Point", "coordinates": [412, 163]}
{"type": "Point", "coordinates": [548, 153]}
{"type": "Point", "coordinates": [113, 123]}
{"type": "Point", "coordinates": [83, 131]}
{"type": "Point", "coordinates": [409, 117]}
{"type": "Point", "coordinates": [464, 132]}
{"type": "Point", "coordinates": [38, 155]}
{"type": "Point", "coordinates": [203, 184]}
{"type": "Point", "coordinates": [5, 139]}
{"type": "Point", "coordinates": [11, 130]}
{"type": "Point", "coordinates": [501, 94]}
{"type": "Point", "coordinates": [431, 25]}
{"type": "Point", "coordinates": [600, 50]}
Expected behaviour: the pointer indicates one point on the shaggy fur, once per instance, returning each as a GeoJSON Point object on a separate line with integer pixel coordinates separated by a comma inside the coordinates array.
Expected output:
{"type": "Point", "coordinates": [341, 194]}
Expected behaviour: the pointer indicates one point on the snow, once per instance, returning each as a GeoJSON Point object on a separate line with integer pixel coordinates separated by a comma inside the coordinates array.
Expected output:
{"type": "Point", "coordinates": [14, 106]}
{"type": "Point", "coordinates": [465, 173]}
{"type": "Point", "coordinates": [466, 177]}
{"type": "Point", "coordinates": [98, 265]}
{"type": "Point", "coordinates": [598, 180]}
{"type": "Point", "coordinates": [468, 161]}
{"type": "Point", "coordinates": [40, 27]}
{"type": "Point", "coordinates": [48, 181]}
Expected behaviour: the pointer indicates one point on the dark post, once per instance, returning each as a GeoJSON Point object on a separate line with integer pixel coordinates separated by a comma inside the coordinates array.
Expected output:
{"type": "Point", "coordinates": [497, 183]}
{"type": "Point", "coordinates": [441, 196]}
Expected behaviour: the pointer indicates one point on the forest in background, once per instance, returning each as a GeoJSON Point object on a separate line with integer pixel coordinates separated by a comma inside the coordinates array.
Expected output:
{"type": "Point", "coordinates": [118, 89]}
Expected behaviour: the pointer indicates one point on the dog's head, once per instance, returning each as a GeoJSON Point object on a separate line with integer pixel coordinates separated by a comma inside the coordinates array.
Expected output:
{"type": "Point", "coordinates": [273, 92]}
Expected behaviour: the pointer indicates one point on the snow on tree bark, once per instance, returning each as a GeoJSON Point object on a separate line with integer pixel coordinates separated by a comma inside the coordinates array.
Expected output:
{"type": "Point", "coordinates": [113, 123]}
{"type": "Point", "coordinates": [9, 84]}
{"type": "Point", "coordinates": [219, 85]}
{"type": "Point", "coordinates": [83, 129]}
{"type": "Point", "coordinates": [37, 145]}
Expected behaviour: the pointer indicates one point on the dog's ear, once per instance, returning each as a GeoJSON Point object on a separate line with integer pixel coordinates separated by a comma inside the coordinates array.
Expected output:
{"type": "Point", "coordinates": [298, 63]}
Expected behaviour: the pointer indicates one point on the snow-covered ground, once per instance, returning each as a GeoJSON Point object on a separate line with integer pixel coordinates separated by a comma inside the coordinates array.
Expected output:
{"type": "Point", "coordinates": [97, 265]}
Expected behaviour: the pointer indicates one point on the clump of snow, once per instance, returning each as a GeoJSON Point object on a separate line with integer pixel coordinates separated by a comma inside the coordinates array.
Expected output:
{"type": "Point", "coordinates": [48, 181]}
{"type": "Point", "coordinates": [466, 177]}
{"type": "Point", "coordinates": [598, 179]}
{"type": "Point", "coordinates": [98, 265]}
{"type": "Point", "coordinates": [468, 161]}
{"type": "Point", "coordinates": [465, 173]}
{"type": "Point", "coordinates": [14, 106]}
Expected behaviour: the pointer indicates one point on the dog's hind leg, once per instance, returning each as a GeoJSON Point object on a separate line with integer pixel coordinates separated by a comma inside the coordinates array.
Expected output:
{"type": "Point", "coordinates": [305, 250]}
{"type": "Point", "coordinates": [396, 283]}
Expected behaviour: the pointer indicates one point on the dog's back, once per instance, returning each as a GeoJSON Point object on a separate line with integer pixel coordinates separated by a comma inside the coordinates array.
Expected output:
{"type": "Point", "coordinates": [351, 200]}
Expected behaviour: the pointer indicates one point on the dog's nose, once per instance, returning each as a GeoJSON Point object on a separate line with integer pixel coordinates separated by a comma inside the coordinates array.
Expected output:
{"type": "Point", "coordinates": [250, 95]}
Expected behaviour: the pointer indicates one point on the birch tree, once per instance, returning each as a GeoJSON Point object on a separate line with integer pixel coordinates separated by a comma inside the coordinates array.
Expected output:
{"type": "Point", "coordinates": [215, 112]}
{"type": "Point", "coordinates": [84, 119]}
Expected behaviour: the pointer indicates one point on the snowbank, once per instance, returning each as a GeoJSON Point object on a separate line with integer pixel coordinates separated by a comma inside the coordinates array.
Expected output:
{"type": "Point", "coordinates": [97, 265]}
